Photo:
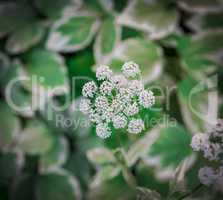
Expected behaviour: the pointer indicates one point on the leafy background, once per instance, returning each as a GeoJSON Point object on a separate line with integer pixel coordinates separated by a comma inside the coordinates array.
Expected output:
{"type": "Point", "coordinates": [177, 45]}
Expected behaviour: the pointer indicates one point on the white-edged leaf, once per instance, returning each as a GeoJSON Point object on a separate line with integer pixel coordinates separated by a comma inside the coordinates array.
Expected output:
{"type": "Point", "coordinates": [58, 185]}
{"type": "Point", "coordinates": [81, 124]}
{"type": "Point", "coordinates": [56, 156]}
{"type": "Point", "coordinates": [9, 126]}
{"type": "Point", "coordinates": [198, 105]}
{"type": "Point", "coordinates": [46, 69]}
{"type": "Point", "coordinates": [201, 6]}
{"type": "Point", "coordinates": [101, 156]}
{"type": "Point", "coordinates": [106, 173]}
{"type": "Point", "coordinates": [107, 5]}
{"type": "Point", "coordinates": [13, 16]}
{"type": "Point", "coordinates": [23, 39]}
{"type": "Point", "coordinates": [202, 51]}
{"type": "Point", "coordinates": [35, 138]}
{"type": "Point", "coordinates": [107, 39]}
{"type": "Point", "coordinates": [11, 164]}
{"type": "Point", "coordinates": [171, 147]}
{"type": "Point", "coordinates": [142, 51]}
{"type": "Point", "coordinates": [147, 194]}
{"type": "Point", "coordinates": [179, 182]}
{"type": "Point", "coordinates": [19, 98]}
{"type": "Point", "coordinates": [72, 33]}
{"type": "Point", "coordinates": [206, 21]}
{"type": "Point", "coordinates": [150, 16]}
{"type": "Point", "coordinates": [4, 64]}
{"type": "Point", "coordinates": [208, 42]}
{"type": "Point", "coordinates": [116, 188]}
{"type": "Point", "coordinates": [51, 8]}
{"type": "Point", "coordinates": [141, 147]}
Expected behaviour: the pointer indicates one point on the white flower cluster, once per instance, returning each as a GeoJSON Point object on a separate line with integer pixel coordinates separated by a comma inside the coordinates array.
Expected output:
{"type": "Point", "coordinates": [118, 100]}
{"type": "Point", "coordinates": [212, 177]}
{"type": "Point", "coordinates": [211, 145]}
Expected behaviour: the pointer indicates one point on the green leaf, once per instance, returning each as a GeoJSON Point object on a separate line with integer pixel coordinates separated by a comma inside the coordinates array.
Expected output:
{"type": "Point", "coordinates": [72, 33]}
{"type": "Point", "coordinates": [106, 173]}
{"type": "Point", "coordinates": [198, 105]}
{"type": "Point", "coordinates": [179, 182]}
{"type": "Point", "coordinates": [206, 21]}
{"type": "Point", "coordinates": [113, 189]}
{"type": "Point", "coordinates": [11, 71]}
{"type": "Point", "coordinates": [56, 156]}
{"type": "Point", "coordinates": [23, 39]}
{"type": "Point", "coordinates": [101, 156]}
{"type": "Point", "coordinates": [147, 194]}
{"type": "Point", "coordinates": [58, 185]}
{"type": "Point", "coordinates": [201, 51]}
{"type": "Point", "coordinates": [207, 43]}
{"type": "Point", "coordinates": [14, 16]}
{"type": "Point", "coordinates": [35, 138]}
{"type": "Point", "coordinates": [50, 8]}
{"type": "Point", "coordinates": [81, 123]}
{"type": "Point", "coordinates": [172, 146]}
{"type": "Point", "coordinates": [9, 127]}
{"type": "Point", "coordinates": [144, 52]}
{"type": "Point", "coordinates": [107, 5]}
{"type": "Point", "coordinates": [10, 165]}
{"type": "Point", "coordinates": [55, 114]}
{"type": "Point", "coordinates": [23, 187]}
{"type": "Point", "coordinates": [150, 16]}
{"type": "Point", "coordinates": [200, 6]}
{"type": "Point", "coordinates": [4, 63]}
{"type": "Point", "coordinates": [49, 70]}
{"type": "Point", "coordinates": [146, 177]}
{"type": "Point", "coordinates": [141, 147]}
{"type": "Point", "coordinates": [78, 164]}
{"type": "Point", "coordinates": [22, 101]}
{"type": "Point", "coordinates": [107, 39]}
{"type": "Point", "coordinates": [79, 65]}
{"type": "Point", "coordinates": [19, 98]}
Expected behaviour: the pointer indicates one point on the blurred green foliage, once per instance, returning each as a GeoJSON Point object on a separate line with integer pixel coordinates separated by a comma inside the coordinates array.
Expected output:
{"type": "Point", "coordinates": [52, 154]}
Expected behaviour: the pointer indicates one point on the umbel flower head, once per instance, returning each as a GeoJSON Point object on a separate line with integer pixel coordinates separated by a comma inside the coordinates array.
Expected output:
{"type": "Point", "coordinates": [117, 101]}
{"type": "Point", "coordinates": [211, 146]}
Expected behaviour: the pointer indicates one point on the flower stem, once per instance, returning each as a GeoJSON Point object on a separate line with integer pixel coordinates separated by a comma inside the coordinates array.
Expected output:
{"type": "Point", "coordinates": [192, 192]}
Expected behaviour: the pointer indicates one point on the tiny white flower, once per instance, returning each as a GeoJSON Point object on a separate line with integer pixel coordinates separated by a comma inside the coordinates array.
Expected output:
{"type": "Point", "coordinates": [130, 69]}
{"type": "Point", "coordinates": [119, 81]}
{"type": "Point", "coordinates": [94, 117]}
{"type": "Point", "coordinates": [117, 105]}
{"type": "Point", "coordinates": [125, 95]}
{"type": "Point", "coordinates": [89, 89]}
{"type": "Point", "coordinates": [207, 176]}
{"type": "Point", "coordinates": [131, 109]}
{"type": "Point", "coordinates": [219, 126]}
{"type": "Point", "coordinates": [136, 86]}
{"type": "Point", "coordinates": [103, 72]}
{"type": "Point", "coordinates": [146, 99]}
{"type": "Point", "coordinates": [107, 114]}
{"type": "Point", "coordinates": [103, 131]}
{"type": "Point", "coordinates": [101, 103]}
{"type": "Point", "coordinates": [119, 121]}
{"type": "Point", "coordinates": [117, 99]}
{"type": "Point", "coordinates": [136, 126]}
{"type": "Point", "coordinates": [85, 105]}
{"type": "Point", "coordinates": [212, 151]}
{"type": "Point", "coordinates": [217, 130]}
{"type": "Point", "coordinates": [199, 141]}
{"type": "Point", "coordinates": [106, 88]}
